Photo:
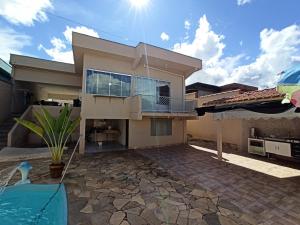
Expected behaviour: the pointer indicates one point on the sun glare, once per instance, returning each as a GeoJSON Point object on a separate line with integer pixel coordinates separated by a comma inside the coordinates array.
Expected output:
{"type": "Point", "coordinates": [139, 4]}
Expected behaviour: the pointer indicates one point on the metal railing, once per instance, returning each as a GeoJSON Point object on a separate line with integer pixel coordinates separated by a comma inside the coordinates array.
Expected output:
{"type": "Point", "coordinates": [151, 103]}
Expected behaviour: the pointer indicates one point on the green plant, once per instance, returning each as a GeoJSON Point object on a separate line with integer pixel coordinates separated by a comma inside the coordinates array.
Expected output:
{"type": "Point", "coordinates": [55, 131]}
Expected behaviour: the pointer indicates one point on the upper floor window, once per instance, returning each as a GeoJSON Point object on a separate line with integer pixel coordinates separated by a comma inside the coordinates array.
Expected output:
{"type": "Point", "coordinates": [107, 84]}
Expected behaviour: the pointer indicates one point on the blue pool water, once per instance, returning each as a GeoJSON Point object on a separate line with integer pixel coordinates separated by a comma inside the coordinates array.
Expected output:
{"type": "Point", "coordinates": [21, 205]}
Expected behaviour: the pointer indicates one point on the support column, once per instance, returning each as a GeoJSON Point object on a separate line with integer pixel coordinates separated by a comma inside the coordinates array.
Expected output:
{"type": "Point", "coordinates": [82, 133]}
{"type": "Point", "coordinates": [219, 139]}
{"type": "Point", "coordinates": [185, 132]}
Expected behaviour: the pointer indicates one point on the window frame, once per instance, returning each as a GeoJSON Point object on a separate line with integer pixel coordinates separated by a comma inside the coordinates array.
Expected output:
{"type": "Point", "coordinates": [109, 84]}
{"type": "Point", "coordinates": [155, 129]}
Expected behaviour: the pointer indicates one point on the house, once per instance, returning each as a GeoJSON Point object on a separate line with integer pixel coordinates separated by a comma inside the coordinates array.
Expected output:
{"type": "Point", "coordinates": [202, 89]}
{"type": "Point", "coordinates": [127, 96]}
{"type": "Point", "coordinates": [203, 93]}
{"type": "Point", "coordinates": [230, 118]}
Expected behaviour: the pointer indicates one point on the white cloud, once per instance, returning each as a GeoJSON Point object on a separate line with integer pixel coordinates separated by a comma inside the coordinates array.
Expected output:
{"type": "Point", "coordinates": [13, 41]}
{"type": "Point", "coordinates": [279, 49]}
{"type": "Point", "coordinates": [61, 48]}
{"type": "Point", "coordinates": [243, 2]}
{"type": "Point", "coordinates": [187, 24]}
{"type": "Point", "coordinates": [206, 45]}
{"type": "Point", "coordinates": [81, 29]}
{"type": "Point", "coordinates": [25, 12]}
{"type": "Point", "coordinates": [164, 36]}
{"type": "Point", "coordinates": [59, 51]}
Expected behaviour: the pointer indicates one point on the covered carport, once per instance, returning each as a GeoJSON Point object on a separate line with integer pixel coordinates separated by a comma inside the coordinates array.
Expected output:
{"type": "Point", "coordinates": [264, 104]}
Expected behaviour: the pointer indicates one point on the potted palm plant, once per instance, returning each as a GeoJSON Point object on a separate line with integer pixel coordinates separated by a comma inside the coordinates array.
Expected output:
{"type": "Point", "coordinates": [55, 132]}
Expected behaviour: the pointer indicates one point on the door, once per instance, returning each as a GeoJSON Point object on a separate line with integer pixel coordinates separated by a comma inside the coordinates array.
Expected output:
{"type": "Point", "coordinates": [278, 148]}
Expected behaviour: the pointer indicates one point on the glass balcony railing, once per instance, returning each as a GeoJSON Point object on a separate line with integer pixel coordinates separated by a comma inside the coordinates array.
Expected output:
{"type": "Point", "coordinates": [5, 66]}
{"type": "Point", "coordinates": [152, 103]}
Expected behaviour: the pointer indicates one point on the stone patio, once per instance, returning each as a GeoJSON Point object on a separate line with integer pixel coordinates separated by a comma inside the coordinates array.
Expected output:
{"type": "Point", "coordinates": [268, 190]}
{"type": "Point", "coordinates": [128, 188]}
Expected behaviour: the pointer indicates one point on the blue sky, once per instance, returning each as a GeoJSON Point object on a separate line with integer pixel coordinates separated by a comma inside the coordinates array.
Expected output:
{"type": "Point", "coordinates": [248, 41]}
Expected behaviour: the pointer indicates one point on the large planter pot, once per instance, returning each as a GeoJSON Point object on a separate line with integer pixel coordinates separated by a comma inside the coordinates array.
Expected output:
{"type": "Point", "coordinates": [56, 169]}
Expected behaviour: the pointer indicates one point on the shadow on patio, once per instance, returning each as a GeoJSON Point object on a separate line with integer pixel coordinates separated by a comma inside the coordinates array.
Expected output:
{"type": "Point", "coordinates": [267, 189]}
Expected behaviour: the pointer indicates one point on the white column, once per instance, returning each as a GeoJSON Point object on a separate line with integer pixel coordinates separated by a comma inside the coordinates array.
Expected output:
{"type": "Point", "coordinates": [82, 139]}
{"type": "Point", "coordinates": [219, 139]}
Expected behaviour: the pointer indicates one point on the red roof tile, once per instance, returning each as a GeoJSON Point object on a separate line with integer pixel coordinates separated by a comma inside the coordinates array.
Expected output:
{"type": "Point", "coordinates": [265, 94]}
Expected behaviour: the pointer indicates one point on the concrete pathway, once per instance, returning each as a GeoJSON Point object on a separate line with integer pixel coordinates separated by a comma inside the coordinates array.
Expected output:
{"type": "Point", "coordinates": [266, 189]}
{"type": "Point", "coordinates": [17, 154]}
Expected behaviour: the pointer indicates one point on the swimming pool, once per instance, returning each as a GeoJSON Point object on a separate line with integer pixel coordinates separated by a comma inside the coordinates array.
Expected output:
{"type": "Point", "coordinates": [21, 205]}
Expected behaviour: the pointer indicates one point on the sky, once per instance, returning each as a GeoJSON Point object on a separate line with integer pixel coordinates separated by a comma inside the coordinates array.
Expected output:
{"type": "Point", "coordinates": [245, 41]}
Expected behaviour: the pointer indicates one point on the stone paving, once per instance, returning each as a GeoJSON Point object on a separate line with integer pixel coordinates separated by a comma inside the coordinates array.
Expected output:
{"type": "Point", "coordinates": [126, 188]}
{"type": "Point", "coordinates": [269, 199]}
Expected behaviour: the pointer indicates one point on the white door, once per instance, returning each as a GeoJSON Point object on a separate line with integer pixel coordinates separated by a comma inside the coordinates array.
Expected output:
{"type": "Point", "coordinates": [279, 148]}
{"type": "Point", "coordinates": [271, 147]}
{"type": "Point", "coordinates": [284, 149]}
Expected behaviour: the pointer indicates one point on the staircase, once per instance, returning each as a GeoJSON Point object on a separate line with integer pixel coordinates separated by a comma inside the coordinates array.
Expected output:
{"type": "Point", "coordinates": [5, 128]}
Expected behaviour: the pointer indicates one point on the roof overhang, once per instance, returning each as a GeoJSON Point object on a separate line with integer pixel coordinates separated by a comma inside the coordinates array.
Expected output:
{"type": "Point", "coordinates": [144, 54]}
{"type": "Point", "coordinates": [262, 107]}
{"type": "Point", "coordinates": [35, 70]}
{"type": "Point", "coordinates": [31, 62]}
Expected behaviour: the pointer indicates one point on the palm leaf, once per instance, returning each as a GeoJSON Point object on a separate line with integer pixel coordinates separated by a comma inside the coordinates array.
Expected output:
{"type": "Point", "coordinates": [31, 126]}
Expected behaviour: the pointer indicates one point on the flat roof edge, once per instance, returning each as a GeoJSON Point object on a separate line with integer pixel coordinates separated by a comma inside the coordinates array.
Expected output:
{"type": "Point", "coordinates": [115, 48]}
{"type": "Point", "coordinates": [32, 62]}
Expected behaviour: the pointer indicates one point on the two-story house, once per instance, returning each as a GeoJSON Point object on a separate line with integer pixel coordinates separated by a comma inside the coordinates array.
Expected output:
{"type": "Point", "coordinates": [128, 96]}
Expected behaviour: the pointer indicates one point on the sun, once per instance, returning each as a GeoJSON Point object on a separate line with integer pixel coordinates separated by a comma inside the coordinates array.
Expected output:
{"type": "Point", "coordinates": [139, 4]}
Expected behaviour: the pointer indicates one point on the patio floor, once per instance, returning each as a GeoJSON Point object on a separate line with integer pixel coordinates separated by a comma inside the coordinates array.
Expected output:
{"type": "Point", "coordinates": [128, 188]}
{"type": "Point", "coordinates": [266, 189]}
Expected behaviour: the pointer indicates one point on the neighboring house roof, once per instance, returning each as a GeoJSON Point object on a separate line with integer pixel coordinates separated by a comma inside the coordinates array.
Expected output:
{"type": "Point", "coordinates": [202, 86]}
{"type": "Point", "coordinates": [234, 86]}
{"type": "Point", "coordinates": [217, 89]}
{"type": "Point", "coordinates": [258, 95]}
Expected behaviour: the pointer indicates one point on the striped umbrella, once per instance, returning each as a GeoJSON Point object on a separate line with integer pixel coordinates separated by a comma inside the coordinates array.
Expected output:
{"type": "Point", "coordinates": [289, 84]}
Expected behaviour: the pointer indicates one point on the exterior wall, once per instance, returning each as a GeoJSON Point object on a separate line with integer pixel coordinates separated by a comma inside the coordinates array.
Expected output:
{"type": "Point", "coordinates": [237, 131]}
{"type": "Point", "coordinates": [5, 102]}
{"type": "Point", "coordinates": [105, 107]}
{"type": "Point", "coordinates": [119, 65]}
{"type": "Point", "coordinates": [46, 76]}
{"type": "Point", "coordinates": [129, 108]}
{"type": "Point", "coordinates": [140, 134]}
{"type": "Point", "coordinates": [18, 135]}
{"type": "Point", "coordinates": [206, 128]}
{"type": "Point", "coordinates": [281, 128]}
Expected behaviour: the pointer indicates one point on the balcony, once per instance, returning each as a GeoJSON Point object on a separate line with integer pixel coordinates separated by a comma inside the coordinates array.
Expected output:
{"type": "Point", "coordinates": [163, 104]}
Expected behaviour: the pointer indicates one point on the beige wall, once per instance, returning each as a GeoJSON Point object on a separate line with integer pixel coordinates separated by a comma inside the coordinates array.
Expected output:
{"type": "Point", "coordinates": [129, 108]}
{"type": "Point", "coordinates": [119, 65]}
{"type": "Point", "coordinates": [140, 134]}
{"type": "Point", "coordinates": [206, 128]}
{"type": "Point", "coordinates": [18, 135]}
{"type": "Point", "coordinates": [5, 102]}
{"type": "Point", "coordinates": [105, 107]}
{"type": "Point", "coordinates": [46, 76]}
{"type": "Point", "coordinates": [237, 131]}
